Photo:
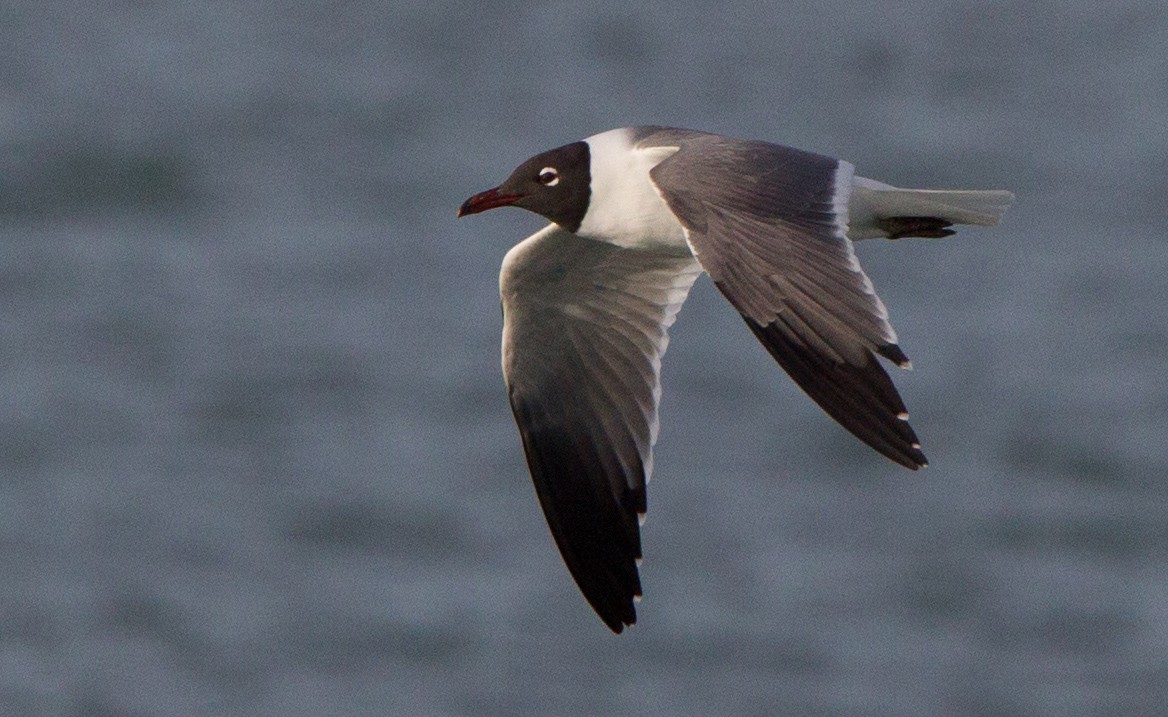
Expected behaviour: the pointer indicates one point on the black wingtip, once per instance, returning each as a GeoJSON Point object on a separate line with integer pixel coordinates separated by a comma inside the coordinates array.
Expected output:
{"type": "Point", "coordinates": [911, 458]}
{"type": "Point", "coordinates": [860, 397]}
{"type": "Point", "coordinates": [917, 459]}
{"type": "Point", "coordinates": [616, 612]}
{"type": "Point", "coordinates": [618, 625]}
{"type": "Point", "coordinates": [594, 527]}
{"type": "Point", "coordinates": [893, 353]}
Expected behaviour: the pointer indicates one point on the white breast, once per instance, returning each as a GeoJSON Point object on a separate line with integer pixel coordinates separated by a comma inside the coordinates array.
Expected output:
{"type": "Point", "coordinates": [625, 208]}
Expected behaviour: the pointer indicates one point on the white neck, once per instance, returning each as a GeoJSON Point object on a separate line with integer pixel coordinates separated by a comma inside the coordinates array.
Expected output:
{"type": "Point", "coordinates": [624, 207]}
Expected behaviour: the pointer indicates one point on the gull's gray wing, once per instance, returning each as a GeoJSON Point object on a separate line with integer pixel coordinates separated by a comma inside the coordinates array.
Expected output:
{"type": "Point", "coordinates": [769, 224]}
{"type": "Point", "coordinates": [584, 330]}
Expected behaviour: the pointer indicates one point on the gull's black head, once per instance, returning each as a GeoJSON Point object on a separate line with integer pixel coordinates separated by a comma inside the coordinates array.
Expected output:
{"type": "Point", "coordinates": [554, 184]}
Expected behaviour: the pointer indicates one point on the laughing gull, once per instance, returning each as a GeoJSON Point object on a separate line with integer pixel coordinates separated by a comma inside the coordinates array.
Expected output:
{"type": "Point", "coordinates": [636, 214]}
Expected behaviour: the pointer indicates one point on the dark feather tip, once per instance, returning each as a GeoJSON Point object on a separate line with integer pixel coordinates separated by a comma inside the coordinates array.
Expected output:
{"type": "Point", "coordinates": [923, 227]}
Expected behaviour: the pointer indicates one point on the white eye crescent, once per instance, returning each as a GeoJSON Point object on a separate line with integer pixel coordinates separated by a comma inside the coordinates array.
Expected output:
{"type": "Point", "coordinates": [548, 177]}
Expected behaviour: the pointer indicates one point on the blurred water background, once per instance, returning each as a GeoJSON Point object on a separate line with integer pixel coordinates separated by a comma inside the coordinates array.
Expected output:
{"type": "Point", "coordinates": [256, 456]}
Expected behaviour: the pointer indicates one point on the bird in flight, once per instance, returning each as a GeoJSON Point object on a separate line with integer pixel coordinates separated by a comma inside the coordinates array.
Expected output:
{"type": "Point", "coordinates": [636, 214]}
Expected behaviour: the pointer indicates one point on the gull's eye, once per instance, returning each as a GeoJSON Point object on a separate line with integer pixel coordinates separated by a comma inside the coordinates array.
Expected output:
{"type": "Point", "coordinates": [548, 177]}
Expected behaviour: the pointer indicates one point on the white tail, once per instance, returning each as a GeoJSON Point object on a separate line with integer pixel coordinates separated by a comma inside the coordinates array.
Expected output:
{"type": "Point", "coordinates": [873, 203]}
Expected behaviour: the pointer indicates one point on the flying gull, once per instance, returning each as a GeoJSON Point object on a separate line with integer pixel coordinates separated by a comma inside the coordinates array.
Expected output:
{"type": "Point", "coordinates": [636, 215]}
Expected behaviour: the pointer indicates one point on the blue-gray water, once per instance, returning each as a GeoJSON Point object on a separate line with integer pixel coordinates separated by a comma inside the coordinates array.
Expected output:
{"type": "Point", "coordinates": [255, 453]}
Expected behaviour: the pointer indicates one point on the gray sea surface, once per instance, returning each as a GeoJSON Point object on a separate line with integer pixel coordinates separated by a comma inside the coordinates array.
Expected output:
{"type": "Point", "coordinates": [256, 457]}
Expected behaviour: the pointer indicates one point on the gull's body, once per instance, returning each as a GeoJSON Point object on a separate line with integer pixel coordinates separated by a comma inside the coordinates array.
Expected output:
{"type": "Point", "coordinates": [637, 214]}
